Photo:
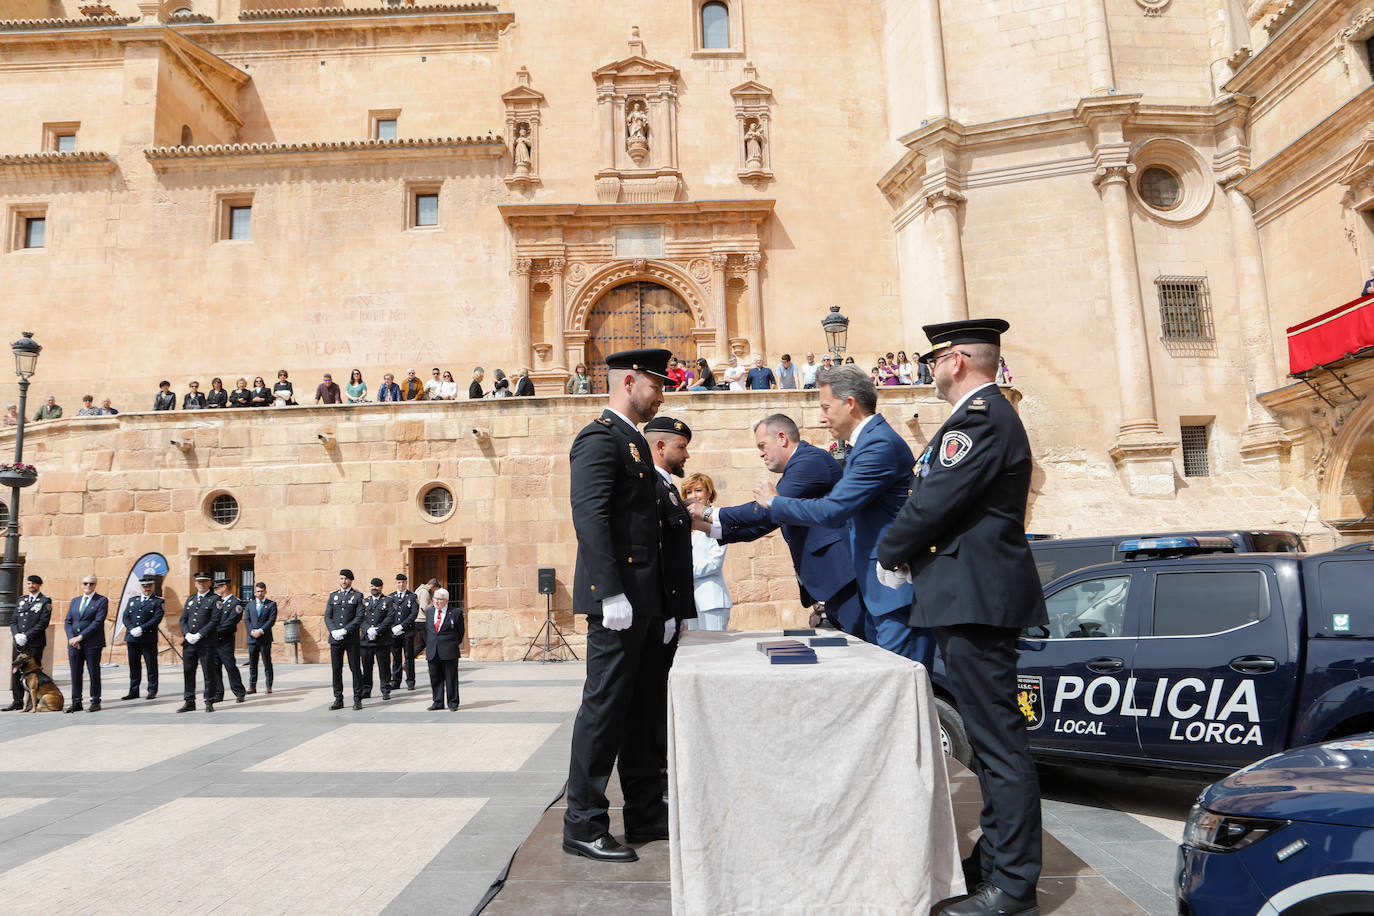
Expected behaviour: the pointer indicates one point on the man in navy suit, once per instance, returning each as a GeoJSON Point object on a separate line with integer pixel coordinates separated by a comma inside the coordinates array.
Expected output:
{"type": "Point", "coordinates": [821, 556]}
{"type": "Point", "coordinates": [443, 635]}
{"type": "Point", "coordinates": [142, 614]}
{"type": "Point", "coordinates": [85, 625]}
{"type": "Point", "coordinates": [876, 482]}
{"type": "Point", "coordinates": [260, 616]}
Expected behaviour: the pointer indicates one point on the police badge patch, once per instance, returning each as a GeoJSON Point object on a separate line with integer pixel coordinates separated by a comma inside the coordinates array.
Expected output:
{"type": "Point", "coordinates": [954, 447]}
{"type": "Point", "coordinates": [634, 453]}
{"type": "Point", "coordinates": [1030, 699]}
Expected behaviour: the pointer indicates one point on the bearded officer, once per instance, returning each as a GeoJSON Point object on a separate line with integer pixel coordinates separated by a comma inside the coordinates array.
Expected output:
{"type": "Point", "coordinates": [199, 620]}
{"type": "Point", "coordinates": [379, 615]}
{"type": "Point", "coordinates": [142, 614]}
{"type": "Point", "coordinates": [961, 539]}
{"type": "Point", "coordinates": [403, 634]}
{"type": "Point", "coordinates": [342, 615]}
{"type": "Point", "coordinates": [619, 585]}
{"type": "Point", "coordinates": [29, 628]}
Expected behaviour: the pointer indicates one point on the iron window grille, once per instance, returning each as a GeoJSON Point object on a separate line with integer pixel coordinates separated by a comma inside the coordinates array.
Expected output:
{"type": "Point", "coordinates": [1195, 451]}
{"type": "Point", "coordinates": [438, 502]}
{"type": "Point", "coordinates": [224, 509]}
{"type": "Point", "coordinates": [1185, 309]}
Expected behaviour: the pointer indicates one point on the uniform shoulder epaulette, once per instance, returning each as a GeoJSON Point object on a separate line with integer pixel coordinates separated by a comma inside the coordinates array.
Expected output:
{"type": "Point", "coordinates": [978, 405]}
{"type": "Point", "coordinates": [604, 421]}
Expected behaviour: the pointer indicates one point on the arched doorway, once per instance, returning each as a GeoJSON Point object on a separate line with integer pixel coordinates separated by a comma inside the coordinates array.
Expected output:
{"type": "Point", "coordinates": [636, 315]}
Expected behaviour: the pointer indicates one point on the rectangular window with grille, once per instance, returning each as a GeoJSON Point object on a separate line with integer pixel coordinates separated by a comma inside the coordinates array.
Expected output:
{"type": "Point", "coordinates": [1195, 451]}
{"type": "Point", "coordinates": [1185, 309]}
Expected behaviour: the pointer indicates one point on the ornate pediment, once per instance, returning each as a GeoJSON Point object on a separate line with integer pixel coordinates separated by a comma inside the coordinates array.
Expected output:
{"type": "Point", "coordinates": [637, 66]}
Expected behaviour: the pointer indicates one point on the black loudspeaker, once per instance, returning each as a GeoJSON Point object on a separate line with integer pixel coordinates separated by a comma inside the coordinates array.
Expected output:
{"type": "Point", "coordinates": [546, 581]}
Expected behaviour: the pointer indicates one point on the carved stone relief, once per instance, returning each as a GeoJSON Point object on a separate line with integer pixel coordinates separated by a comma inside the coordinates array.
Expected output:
{"type": "Point", "coordinates": [523, 105]}
{"type": "Point", "coordinates": [636, 101]}
{"type": "Point", "coordinates": [752, 118]}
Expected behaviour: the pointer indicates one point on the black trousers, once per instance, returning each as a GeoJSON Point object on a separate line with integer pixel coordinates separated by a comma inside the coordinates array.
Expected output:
{"type": "Point", "coordinates": [205, 655]}
{"type": "Point", "coordinates": [35, 649]}
{"type": "Point", "coordinates": [87, 657]}
{"type": "Point", "coordinates": [980, 662]}
{"type": "Point", "coordinates": [443, 679]}
{"type": "Point", "coordinates": [617, 726]}
{"type": "Point", "coordinates": [337, 651]}
{"type": "Point", "coordinates": [228, 667]}
{"type": "Point", "coordinates": [380, 656]}
{"type": "Point", "coordinates": [403, 659]}
{"type": "Point", "coordinates": [258, 650]}
{"type": "Point", "coordinates": [141, 653]}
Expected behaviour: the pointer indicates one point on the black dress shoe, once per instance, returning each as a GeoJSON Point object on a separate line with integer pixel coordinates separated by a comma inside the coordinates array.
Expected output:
{"type": "Point", "coordinates": [435, 707]}
{"type": "Point", "coordinates": [973, 873]}
{"type": "Point", "coordinates": [216, 699]}
{"type": "Point", "coordinates": [75, 707]}
{"type": "Point", "coordinates": [604, 849]}
{"type": "Point", "coordinates": [357, 704]}
{"type": "Point", "coordinates": [209, 707]}
{"type": "Point", "coordinates": [252, 690]}
{"type": "Point", "coordinates": [386, 695]}
{"type": "Point", "coordinates": [337, 704]}
{"type": "Point", "coordinates": [648, 835]}
{"type": "Point", "coordinates": [152, 694]}
{"type": "Point", "coordinates": [188, 706]}
{"type": "Point", "coordinates": [239, 698]}
{"type": "Point", "coordinates": [991, 900]}
{"type": "Point", "coordinates": [131, 695]}
{"type": "Point", "coordinates": [453, 708]}
{"type": "Point", "coordinates": [13, 707]}
{"type": "Point", "coordinates": [410, 686]}
{"type": "Point", "coordinates": [94, 707]}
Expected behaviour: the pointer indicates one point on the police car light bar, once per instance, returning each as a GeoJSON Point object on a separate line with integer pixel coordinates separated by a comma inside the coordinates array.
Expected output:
{"type": "Point", "coordinates": [1164, 545]}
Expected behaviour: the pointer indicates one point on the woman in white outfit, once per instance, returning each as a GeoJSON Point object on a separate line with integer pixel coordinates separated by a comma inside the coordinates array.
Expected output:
{"type": "Point", "coordinates": [708, 560]}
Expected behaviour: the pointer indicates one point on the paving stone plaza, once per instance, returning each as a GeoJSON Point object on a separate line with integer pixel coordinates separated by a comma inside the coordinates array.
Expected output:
{"type": "Point", "coordinates": [278, 805]}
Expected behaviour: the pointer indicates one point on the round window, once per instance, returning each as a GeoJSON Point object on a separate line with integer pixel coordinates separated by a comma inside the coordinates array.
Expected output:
{"type": "Point", "coordinates": [438, 501]}
{"type": "Point", "coordinates": [224, 509]}
{"type": "Point", "coordinates": [1160, 188]}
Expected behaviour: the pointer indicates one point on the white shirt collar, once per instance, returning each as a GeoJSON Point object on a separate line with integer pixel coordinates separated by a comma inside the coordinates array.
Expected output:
{"type": "Point", "coordinates": [667, 478]}
{"type": "Point", "coordinates": [854, 434]}
{"type": "Point", "coordinates": [968, 394]}
{"type": "Point", "coordinates": [633, 426]}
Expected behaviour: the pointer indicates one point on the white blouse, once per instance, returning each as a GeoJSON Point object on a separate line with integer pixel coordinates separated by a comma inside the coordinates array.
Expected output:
{"type": "Point", "coordinates": [708, 561]}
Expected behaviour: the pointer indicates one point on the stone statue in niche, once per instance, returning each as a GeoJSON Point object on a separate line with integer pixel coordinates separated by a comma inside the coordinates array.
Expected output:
{"type": "Point", "coordinates": [637, 130]}
{"type": "Point", "coordinates": [522, 149]}
{"type": "Point", "coordinates": [753, 145]}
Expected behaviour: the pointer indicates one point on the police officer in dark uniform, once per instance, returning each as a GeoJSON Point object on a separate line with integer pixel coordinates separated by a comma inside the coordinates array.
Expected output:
{"type": "Point", "coordinates": [379, 615]}
{"type": "Point", "coordinates": [199, 622]}
{"type": "Point", "coordinates": [142, 614]}
{"type": "Point", "coordinates": [342, 614]}
{"type": "Point", "coordinates": [407, 608]}
{"type": "Point", "coordinates": [618, 583]}
{"type": "Point", "coordinates": [668, 439]}
{"type": "Point", "coordinates": [226, 634]}
{"type": "Point", "coordinates": [29, 628]}
{"type": "Point", "coordinates": [961, 539]}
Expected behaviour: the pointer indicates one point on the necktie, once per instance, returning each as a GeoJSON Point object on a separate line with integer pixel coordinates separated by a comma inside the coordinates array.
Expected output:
{"type": "Point", "coordinates": [85, 600]}
{"type": "Point", "coordinates": [438, 619]}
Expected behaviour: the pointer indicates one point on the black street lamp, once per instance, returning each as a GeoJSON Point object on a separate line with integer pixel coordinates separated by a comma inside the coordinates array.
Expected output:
{"type": "Point", "coordinates": [26, 351]}
{"type": "Point", "coordinates": [836, 328]}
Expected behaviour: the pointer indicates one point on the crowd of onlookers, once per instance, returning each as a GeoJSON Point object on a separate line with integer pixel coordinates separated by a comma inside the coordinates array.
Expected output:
{"type": "Point", "coordinates": [685, 375]}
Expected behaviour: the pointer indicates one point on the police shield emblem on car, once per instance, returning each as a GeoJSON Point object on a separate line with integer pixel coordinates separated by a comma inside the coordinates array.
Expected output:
{"type": "Point", "coordinates": [1030, 699]}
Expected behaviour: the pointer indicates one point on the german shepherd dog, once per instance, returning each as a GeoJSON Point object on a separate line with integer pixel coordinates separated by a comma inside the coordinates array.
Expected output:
{"type": "Point", "coordinates": [40, 693]}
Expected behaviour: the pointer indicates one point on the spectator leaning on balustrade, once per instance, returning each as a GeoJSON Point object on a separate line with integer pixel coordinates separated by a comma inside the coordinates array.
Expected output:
{"type": "Point", "coordinates": [193, 399]}
{"type": "Point", "coordinates": [412, 389]}
{"type": "Point", "coordinates": [760, 378]}
{"type": "Point", "coordinates": [388, 390]}
{"type": "Point", "coordinates": [50, 410]}
{"type": "Point", "coordinates": [88, 408]}
{"type": "Point", "coordinates": [327, 392]}
{"type": "Point", "coordinates": [434, 386]}
{"type": "Point", "coordinates": [475, 386]}
{"type": "Point", "coordinates": [262, 395]}
{"type": "Point", "coordinates": [240, 396]}
{"type": "Point", "coordinates": [524, 387]}
{"type": "Point", "coordinates": [356, 391]}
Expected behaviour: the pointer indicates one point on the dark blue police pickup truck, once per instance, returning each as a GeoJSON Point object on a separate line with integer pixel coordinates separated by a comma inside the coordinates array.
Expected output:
{"type": "Point", "coordinates": [1194, 662]}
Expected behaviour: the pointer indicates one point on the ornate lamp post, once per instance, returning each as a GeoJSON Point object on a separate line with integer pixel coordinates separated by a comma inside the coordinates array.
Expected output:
{"type": "Point", "coordinates": [17, 476]}
{"type": "Point", "coordinates": [836, 328]}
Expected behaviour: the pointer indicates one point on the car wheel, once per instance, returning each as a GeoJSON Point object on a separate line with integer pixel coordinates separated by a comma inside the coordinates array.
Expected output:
{"type": "Point", "coordinates": [953, 738]}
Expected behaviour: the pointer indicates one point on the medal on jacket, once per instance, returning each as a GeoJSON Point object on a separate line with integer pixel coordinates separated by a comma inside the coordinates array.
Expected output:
{"type": "Point", "coordinates": [634, 453]}
{"type": "Point", "coordinates": [923, 465]}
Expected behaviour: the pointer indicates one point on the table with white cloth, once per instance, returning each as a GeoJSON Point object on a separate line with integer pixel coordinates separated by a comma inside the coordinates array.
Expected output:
{"type": "Point", "coordinates": [805, 788]}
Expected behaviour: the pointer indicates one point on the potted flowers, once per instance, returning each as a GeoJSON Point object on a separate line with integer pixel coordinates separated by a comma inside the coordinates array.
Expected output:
{"type": "Point", "coordinates": [17, 475]}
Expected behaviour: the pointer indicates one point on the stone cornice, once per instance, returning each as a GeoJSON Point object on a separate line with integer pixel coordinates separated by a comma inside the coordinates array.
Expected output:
{"type": "Point", "coordinates": [354, 12]}
{"type": "Point", "coordinates": [1273, 61]}
{"type": "Point", "coordinates": [54, 164]}
{"type": "Point", "coordinates": [676, 212]}
{"type": "Point", "coordinates": [89, 22]}
{"type": "Point", "coordinates": [259, 155]}
{"type": "Point", "coordinates": [1310, 153]}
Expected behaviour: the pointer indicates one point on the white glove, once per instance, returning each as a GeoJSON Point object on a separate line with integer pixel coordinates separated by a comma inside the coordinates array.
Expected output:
{"type": "Point", "coordinates": [339, 633]}
{"type": "Point", "coordinates": [396, 630]}
{"type": "Point", "coordinates": [894, 579]}
{"type": "Point", "coordinates": [136, 632]}
{"type": "Point", "coordinates": [616, 613]}
{"type": "Point", "coordinates": [669, 630]}
{"type": "Point", "coordinates": [371, 632]}
{"type": "Point", "coordinates": [21, 638]}
{"type": "Point", "coordinates": [193, 638]}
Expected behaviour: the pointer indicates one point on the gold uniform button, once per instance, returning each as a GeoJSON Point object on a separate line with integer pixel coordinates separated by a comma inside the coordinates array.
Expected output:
{"type": "Point", "coordinates": [932, 548]}
{"type": "Point", "coordinates": [629, 559]}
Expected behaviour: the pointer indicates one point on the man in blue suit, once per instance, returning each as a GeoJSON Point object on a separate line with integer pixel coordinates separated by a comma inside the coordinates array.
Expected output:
{"type": "Point", "coordinates": [260, 616]}
{"type": "Point", "coordinates": [876, 482]}
{"type": "Point", "coordinates": [85, 625]}
{"type": "Point", "coordinates": [821, 556]}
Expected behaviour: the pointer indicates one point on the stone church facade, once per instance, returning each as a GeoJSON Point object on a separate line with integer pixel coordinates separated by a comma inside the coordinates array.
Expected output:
{"type": "Point", "coordinates": [1150, 191]}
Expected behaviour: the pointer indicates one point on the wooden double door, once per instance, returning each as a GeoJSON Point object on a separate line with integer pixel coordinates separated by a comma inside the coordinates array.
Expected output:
{"type": "Point", "coordinates": [637, 315]}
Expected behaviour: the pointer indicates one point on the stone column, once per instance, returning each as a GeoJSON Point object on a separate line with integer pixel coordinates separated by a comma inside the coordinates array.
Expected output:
{"type": "Point", "coordinates": [722, 320]}
{"type": "Point", "coordinates": [1263, 445]}
{"type": "Point", "coordinates": [560, 318]}
{"type": "Point", "coordinates": [949, 247]}
{"type": "Point", "coordinates": [1141, 450]}
{"type": "Point", "coordinates": [1097, 47]}
{"type": "Point", "coordinates": [606, 110]}
{"type": "Point", "coordinates": [752, 263]}
{"type": "Point", "coordinates": [524, 344]}
{"type": "Point", "coordinates": [933, 52]}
